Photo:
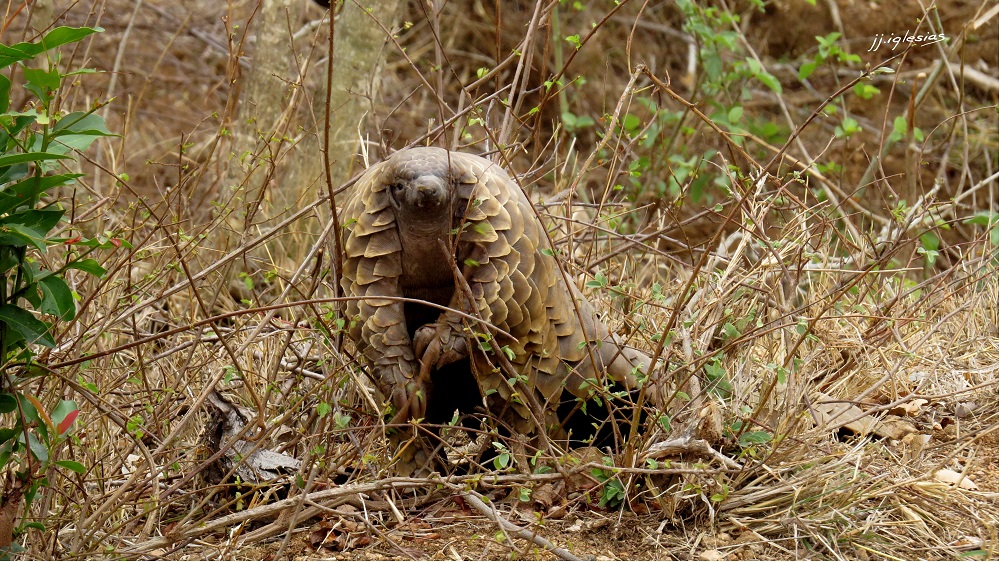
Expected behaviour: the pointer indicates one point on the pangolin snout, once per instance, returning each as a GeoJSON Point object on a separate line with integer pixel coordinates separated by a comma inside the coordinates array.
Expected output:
{"type": "Point", "coordinates": [430, 191]}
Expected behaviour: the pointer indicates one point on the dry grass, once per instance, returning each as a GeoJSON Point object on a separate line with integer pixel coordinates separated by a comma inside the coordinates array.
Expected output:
{"type": "Point", "coordinates": [803, 296]}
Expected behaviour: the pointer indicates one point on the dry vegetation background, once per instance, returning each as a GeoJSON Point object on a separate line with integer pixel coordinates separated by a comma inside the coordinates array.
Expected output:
{"type": "Point", "coordinates": [819, 252]}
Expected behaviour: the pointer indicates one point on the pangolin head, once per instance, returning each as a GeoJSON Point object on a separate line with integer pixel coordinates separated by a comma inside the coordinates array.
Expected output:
{"type": "Point", "coordinates": [419, 183]}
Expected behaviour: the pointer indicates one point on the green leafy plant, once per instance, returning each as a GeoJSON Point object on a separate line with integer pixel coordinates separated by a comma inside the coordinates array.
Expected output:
{"type": "Point", "coordinates": [613, 491]}
{"type": "Point", "coordinates": [503, 460]}
{"type": "Point", "coordinates": [35, 143]}
{"type": "Point", "coordinates": [829, 51]}
{"type": "Point", "coordinates": [717, 380]}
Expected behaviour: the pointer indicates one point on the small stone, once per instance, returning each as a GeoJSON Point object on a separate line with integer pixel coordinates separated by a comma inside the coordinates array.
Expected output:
{"type": "Point", "coordinates": [711, 554]}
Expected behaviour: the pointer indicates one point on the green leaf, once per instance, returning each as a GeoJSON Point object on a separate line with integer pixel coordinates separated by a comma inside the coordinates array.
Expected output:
{"type": "Point", "coordinates": [768, 79]}
{"type": "Point", "coordinates": [62, 35]}
{"type": "Point", "coordinates": [865, 91]}
{"type": "Point", "coordinates": [24, 192]}
{"type": "Point", "coordinates": [28, 228]}
{"type": "Point", "coordinates": [32, 295]}
{"type": "Point", "coordinates": [849, 126]}
{"type": "Point", "coordinates": [631, 122]}
{"type": "Point", "coordinates": [56, 37]}
{"type": "Point", "coordinates": [4, 93]}
{"type": "Point", "coordinates": [73, 465]}
{"type": "Point", "coordinates": [24, 323]}
{"type": "Point", "coordinates": [7, 403]}
{"type": "Point", "coordinates": [8, 433]}
{"type": "Point", "coordinates": [40, 221]}
{"type": "Point", "coordinates": [63, 410]}
{"type": "Point", "coordinates": [79, 130]}
{"type": "Point", "coordinates": [735, 114]}
{"type": "Point", "coordinates": [898, 129]}
{"type": "Point", "coordinates": [57, 298]}
{"type": "Point", "coordinates": [41, 82]}
{"type": "Point", "coordinates": [573, 122]}
{"type": "Point", "coordinates": [88, 265]}
{"type": "Point", "coordinates": [502, 461]}
{"type": "Point", "coordinates": [982, 218]}
{"type": "Point", "coordinates": [134, 426]}
{"type": "Point", "coordinates": [754, 437]}
{"type": "Point", "coordinates": [806, 70]}
{"type": "Point", "coordinates": [13, 237]}
{"type": "Point", "coordinates": [29, 157]}
{"type": "Point", "coordinates": [930, 241]}
{"type": "Point", "coordinates": [38, 449]}
{"type": "Point", "coordinates": [68, 143]}
{"type": "Point", "coordinates": [82, 123]}
{"type": "Point", "coordinates": [323, 409]}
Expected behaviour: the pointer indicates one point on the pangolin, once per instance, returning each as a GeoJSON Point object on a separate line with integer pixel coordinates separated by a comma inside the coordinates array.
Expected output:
{"type": "Point", "coordinates": [454, 230]}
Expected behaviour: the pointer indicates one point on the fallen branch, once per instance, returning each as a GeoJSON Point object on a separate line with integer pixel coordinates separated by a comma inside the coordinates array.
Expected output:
{"type": "Point", "coordinates": [473, 499]}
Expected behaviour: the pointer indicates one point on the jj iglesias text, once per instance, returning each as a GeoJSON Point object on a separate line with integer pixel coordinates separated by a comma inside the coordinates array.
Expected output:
{"type": "Point", "coordinates": [895, 40]}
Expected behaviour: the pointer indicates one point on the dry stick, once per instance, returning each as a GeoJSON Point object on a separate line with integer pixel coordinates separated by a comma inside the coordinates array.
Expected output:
{"type": "Point", "coordinates": [371, 526]}
{"type": "Point", "coordinates": [434, 23]}
{"type": "Point", "coordinates": [473, 499]}
{"type": "Point", "coordinates": [892, 370]}
{"type": "Point", "coordinates": [199, 468]}
{"type": "Point", "coordinates": [665, 88]}
{"type": "Point", "coordinates": [218, 264]}
{"type": "Point", "coordinates": [626, 93]}
{"type": "Point", "coordinates": [89, 523]}
{"type": "Point", "coordinates": [115, 69]}
{"type": "Point", "coordinates": [190, 280]}
{"type": "Point", "coordinates": [328, 172]}
{"type": "Point", "coordinates": [337, 496]}
{"type": "Point", "coordinates": [298, 513]}
{"type": "Point", "coordinates": [640, 239]}
{"type": "Point", "coordinates": [520, 80]}
{"type": "Point", "coordinates": [828, 185]}
{"type": "Point", "coordinates": [334, 223]}
{"type": "Point", "coordinates": [310, 481]}
{"type": "Point", "coordinates": [255, 310]}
